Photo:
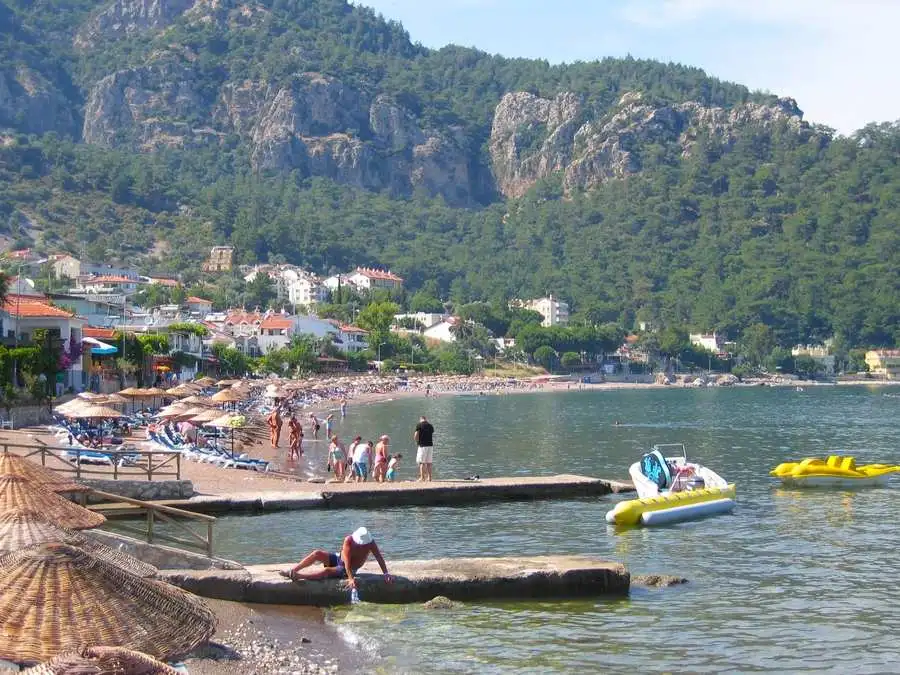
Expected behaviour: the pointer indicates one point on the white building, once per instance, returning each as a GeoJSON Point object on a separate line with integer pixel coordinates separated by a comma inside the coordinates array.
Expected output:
{"type": "Point", "coordinates": [554, 311]}
{"type": "Point", "coordinates": [423, 319]}
{"type": "Point", "coordinates": [351, 339]}
{"type": "Point", "coordinates": [367, 279]}
{"type": "Point", "coordinates": [303, 288]}
{"type": "Point", "coordinates": [708, 341]}
{"type": "Point", "coordinates": [442, 332]}
{"type": "Point", "coordinates": [819, 353]}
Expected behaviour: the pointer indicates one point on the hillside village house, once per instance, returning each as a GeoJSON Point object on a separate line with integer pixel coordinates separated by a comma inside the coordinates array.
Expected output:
{"type": "Point", "coordinates": [443, 331]}
{"type": "Point", "coordinates": [819, 353]}
{"type": "Point", "coordinates": [884, 363]}
{"type": "Point", "coordinates": [221, 259]}
{"type": "Point", "coordinates": [554, 310]}
{"type": "Point", "coordinates": [106, 284]}
{"type": "Point", "coordinates": [21, 315]}
{"type": "Point", "coordinates": [367, 278]}
{"type": "Point", "coordinates": [291, 284]}
{"type": "Point", "coordinates": [200, 306]}
{"type": "Point", "coordinates": [708, 341]}
{"type": "Point", "coordinates": [422, 319]}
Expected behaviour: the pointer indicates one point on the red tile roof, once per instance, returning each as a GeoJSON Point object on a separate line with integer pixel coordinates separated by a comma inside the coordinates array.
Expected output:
{"type": "Point", "coordinates": [98, 333]}
{"type": "Point", "coordinates": [194, 300]}
{"type": "Point", "coordinates": [353, 329]}
{"type": "Point", "coordinates": [236, 317]}
{"type": "Point", "coordinates": [378, 274]}
{"type": "Point", "coordinates": [171, 283]}
{"type": "Point", "coordinates": [110, 279]}
{"type": "Point", "coordinates": [30, 306]}
{"type": "Point", "coordinates": [277, 323]}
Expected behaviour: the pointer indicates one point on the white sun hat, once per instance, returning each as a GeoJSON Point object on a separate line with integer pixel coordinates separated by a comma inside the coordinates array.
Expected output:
{"type": "Point", "coordinates": [362, 536]}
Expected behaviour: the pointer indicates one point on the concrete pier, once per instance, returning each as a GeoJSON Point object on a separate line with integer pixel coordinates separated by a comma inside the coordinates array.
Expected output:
{"type": "Point", "coordinates": [408, 493]}
{"type": "Point", "coordinates": [417, 581]}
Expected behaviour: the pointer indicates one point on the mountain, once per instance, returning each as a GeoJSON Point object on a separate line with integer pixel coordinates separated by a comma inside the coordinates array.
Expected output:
{"type": "Point", "coordinates": [317, 131]}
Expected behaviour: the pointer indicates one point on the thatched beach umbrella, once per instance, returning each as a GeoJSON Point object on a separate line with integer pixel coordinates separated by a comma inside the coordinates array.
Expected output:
{"type": "Point", "coordinates": [19, 529]}
{"type": "Point", "coordinates": [230, 421]}
{"type": "Point", "coordinates": [205, 381]}
{"type": "Point", "coordinates": [182, 390]}
{"type": "Point", "coordinates": [20, 493]}
{"type": "Point", "coordinates": [102, 661]}
{"type": "Point", "coordinates": [206, 416]}
{"type": "Point", "coordinates": [14, 465]}
{"type": "Point", "coordinates": [96, 412]}
{"type": "Point", "coordinates": [227, 396]}
{"type": "Point", "coordinates": [55, 597]}
{"type": "Point", "coordinates": [197, 399]}
{"type": "Point", "coordinates": [226, 383]}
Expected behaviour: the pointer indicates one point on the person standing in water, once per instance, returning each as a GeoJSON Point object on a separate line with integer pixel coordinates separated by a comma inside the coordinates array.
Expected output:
{"type": "Point", "coordinates": [315, 425]}
{"type": "Point", "coordinates": [381, 458]}
{"type": "Point", "coordinates": [329, 425]}
{"type": "Point", "coordinates": [296, 438]}
{"type": "Point", "coordinates": [275, 423]}
{"type": "Point", "coordinates": [424, 438]}
{"type": "Point", "coordinates": [344, 408]}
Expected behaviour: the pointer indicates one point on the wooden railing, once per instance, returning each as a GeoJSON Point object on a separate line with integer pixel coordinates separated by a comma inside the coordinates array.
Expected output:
{"type": "Point", "coordinates": [127, 465]}
{"type": "Point", "coordinates": [156, 513]}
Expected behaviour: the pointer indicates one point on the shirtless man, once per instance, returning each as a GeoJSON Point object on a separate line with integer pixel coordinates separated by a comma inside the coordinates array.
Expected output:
{"type": "Point", "coordinates": [295, 440]}
{"type": "Point", "coordinates": [353, 555]}
{"type": "Point", "coordinates": [275, 423]}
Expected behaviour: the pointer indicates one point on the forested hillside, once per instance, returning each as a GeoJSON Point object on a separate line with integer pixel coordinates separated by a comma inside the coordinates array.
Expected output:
{"type": "Point", "coordinates": [316, 131]}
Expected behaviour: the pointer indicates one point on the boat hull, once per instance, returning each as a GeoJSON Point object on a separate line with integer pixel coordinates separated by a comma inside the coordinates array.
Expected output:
{"type": "Point", "coordinates": [834, 481]}
{"type": "Point", "coordinates": [673, 507]}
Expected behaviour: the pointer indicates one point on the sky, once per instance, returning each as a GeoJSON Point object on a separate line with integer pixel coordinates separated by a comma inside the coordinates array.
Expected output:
{"type": "Point", "coordinates": [837, 58]}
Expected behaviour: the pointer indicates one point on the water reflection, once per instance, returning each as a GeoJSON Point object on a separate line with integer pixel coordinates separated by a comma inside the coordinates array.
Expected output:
{"type": "Point", "coordinates": [794, 580]}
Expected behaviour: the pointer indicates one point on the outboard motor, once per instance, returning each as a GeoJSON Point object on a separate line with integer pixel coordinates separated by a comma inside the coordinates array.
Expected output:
{"type": "Point", "coordinates": [654, 467]}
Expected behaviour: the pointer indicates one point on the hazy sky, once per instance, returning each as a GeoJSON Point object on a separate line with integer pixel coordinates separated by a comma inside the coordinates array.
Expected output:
{"type": "Point", "coordinates": [838, 58]}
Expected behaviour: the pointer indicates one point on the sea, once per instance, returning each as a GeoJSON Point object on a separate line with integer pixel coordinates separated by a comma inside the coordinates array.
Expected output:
{"type": "Point", "coordinates": [792, 581]}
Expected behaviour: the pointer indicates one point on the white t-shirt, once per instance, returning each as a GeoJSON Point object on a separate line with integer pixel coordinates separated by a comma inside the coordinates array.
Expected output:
{"type": "Point", "coordinates": [360, 453]}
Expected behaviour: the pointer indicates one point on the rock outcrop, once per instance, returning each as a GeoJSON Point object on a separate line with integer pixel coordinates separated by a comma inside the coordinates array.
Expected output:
{"type": "Point", "coordinates": [533, 137]}
{"type": "Point", "coordinates": [144, 108]}
{"type": "Point", "coordinates": [33, 104]}
{"type": "Point", "coordinates": [127, 17]}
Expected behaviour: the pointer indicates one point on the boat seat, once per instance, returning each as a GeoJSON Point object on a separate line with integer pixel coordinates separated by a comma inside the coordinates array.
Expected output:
{"type": "Point", "coordinates": [655, 467]}
{"type": "Point", "coordinates": [834, 461]}
{"type": "Point", "coordinates": [848, 464]}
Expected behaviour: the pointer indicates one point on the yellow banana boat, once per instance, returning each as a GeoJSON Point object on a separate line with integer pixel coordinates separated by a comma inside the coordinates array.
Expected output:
{"type": "Point", "coordinates": [835, 471]}
{"type": "Point", "coordinates": [673, 507]}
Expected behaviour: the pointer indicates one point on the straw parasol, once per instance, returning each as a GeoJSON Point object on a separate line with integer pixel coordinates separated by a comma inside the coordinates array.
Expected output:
{"type": "Point", "coordinates": [173, 410]}
{"type": "Point", "coordinates": [226, 383]}
{"type": "Point", "coordinates": [20, 493]}
{"type": "Point", "coordinates": [113, 399]}
{"type": "Point", "coordinates": [14, 465]}
{"type": "Point", "coordinates": [229, 421]}
{"type": "Point", "coordinates": [206, 416]}
{"type": "Point", "coordinates": [55, 597]}
{"type": "Point", "coordinates": [181, 390]}
{"type": "Point", "coordinates": [93, 411]}
{"type": "Point", "coordinates": [152, 391]}
{"type": "Point", "coordinates": [102, 661]}
{"type": "Point", "coordinates": [20, 528]}
{"type": "Point", "coordinates": [196, 399]}
{"type": "Point", "coordinates": [205, 381]}
{"type": "Point", "coordinates": [227, 396]}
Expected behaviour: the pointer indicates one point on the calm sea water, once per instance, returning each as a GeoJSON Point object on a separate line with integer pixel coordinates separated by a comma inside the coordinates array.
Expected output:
{"type": "Point", "coordinates": [793, 581]}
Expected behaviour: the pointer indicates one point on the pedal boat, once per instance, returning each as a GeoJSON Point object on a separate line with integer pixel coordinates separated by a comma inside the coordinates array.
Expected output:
{"type": "Point", "coordinates": [835, 471]}
{"type": "Point", "coordinates": [672, 490]}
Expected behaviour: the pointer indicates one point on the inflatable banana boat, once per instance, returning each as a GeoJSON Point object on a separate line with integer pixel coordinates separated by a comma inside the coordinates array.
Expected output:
{"type": "Point", "coordinates": [671, 490]}
{"type": "Point", "coordinates": [836, 471]}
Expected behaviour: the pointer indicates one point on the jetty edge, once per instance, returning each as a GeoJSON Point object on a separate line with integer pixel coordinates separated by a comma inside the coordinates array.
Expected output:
{"type": "Point", "coordinates": [417, 581]}
{"type": "Point", "coordinates": [408, 493]}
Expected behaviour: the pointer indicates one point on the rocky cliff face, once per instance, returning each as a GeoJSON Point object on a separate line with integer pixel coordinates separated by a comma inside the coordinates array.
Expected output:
{"type": "Point", "coordinates": [532, 137]}
{"type": "Point", "coordinates": [33, 104]}
{"type": "Point", "coordinates": [127, 17]}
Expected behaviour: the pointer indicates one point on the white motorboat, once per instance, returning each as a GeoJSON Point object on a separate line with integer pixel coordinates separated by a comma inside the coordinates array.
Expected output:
{"type": "Point", "coordinates": [672, 489]}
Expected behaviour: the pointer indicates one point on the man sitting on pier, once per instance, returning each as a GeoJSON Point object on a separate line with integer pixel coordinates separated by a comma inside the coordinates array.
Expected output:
{"type": "Point", "coordinates": [353, 555]}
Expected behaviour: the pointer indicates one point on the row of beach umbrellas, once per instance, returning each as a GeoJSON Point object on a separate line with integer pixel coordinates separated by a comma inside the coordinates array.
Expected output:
{"type": "Point", "coordinates": [72, 604]}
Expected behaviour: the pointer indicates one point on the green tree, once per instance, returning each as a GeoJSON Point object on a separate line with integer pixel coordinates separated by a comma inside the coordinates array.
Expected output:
{"type": "Point", "coordinates": [570, 359]}
{"type": "Point", "coordinates": [545, 356]}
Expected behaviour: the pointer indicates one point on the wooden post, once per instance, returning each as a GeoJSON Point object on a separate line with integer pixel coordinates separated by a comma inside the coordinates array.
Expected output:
{"type": "Point", "coordinates": [78, 465]}
{"type": "Point", "coordinates": [149, 526]}
{"type": "Point", "coordinates": [178, 466]}
{"type": "Point", "coordinates": [150, 467]}
{"type": "Point", "coordinates": [116, 467]}
{"type": "Point", "coordinates": [209, 539]}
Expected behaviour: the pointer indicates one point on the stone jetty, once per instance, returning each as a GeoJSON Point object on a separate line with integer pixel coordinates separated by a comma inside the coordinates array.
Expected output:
{"type": "Point", "coordinates": [407, 493]}
{"type": "Point", "coordinates": [417, 581]}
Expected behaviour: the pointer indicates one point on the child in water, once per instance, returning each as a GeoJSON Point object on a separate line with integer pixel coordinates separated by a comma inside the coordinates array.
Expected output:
{"type": "Point", "coordinates": [392, 467]}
